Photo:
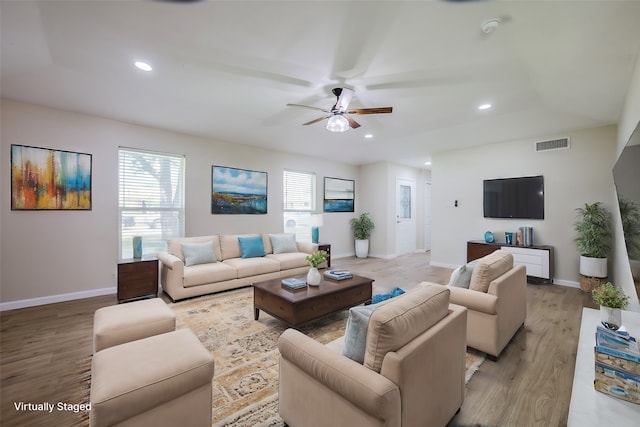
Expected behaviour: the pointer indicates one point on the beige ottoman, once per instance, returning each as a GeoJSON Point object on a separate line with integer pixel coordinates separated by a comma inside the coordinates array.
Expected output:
{"type": "Point", "coordinates": [164, 380]}
{"type": "Point", "coordinates": [119, 324]}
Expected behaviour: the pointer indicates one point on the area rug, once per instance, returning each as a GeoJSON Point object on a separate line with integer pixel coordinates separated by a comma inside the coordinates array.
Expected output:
{"type": "Point", "coordinates": [245, 382]}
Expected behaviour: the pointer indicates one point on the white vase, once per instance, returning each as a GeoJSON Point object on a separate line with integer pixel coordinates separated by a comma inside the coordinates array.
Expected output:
{"type": "Point", "coordinates": [593, 267]}
{"type": "Point", "coordinates": [362, 248]}
{"type": "Point", "coordinates": [611, 318]}
{"type": "Point", "coordinates": [314, 277]}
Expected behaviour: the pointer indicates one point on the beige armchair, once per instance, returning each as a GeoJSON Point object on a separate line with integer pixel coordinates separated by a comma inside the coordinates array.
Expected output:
{"type": "Point", "coordinates": [413, 371]}
{"type": "Point", "coordinates": [494, 315]}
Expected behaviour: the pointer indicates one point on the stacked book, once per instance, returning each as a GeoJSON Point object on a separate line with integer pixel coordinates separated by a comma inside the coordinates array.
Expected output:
{"type": "Point", "coordinates": [337, 274]}
{"type": "Point", "coordinates": [617, 365]}
{"type": "Point", "coordinates": [292, 283]}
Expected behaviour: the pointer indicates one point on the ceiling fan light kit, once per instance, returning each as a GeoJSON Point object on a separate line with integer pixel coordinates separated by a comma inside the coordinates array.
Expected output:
{"type": "Point", "coordinates": [340, 119]}
{"type": "Point", "coordinates": [337, 124]}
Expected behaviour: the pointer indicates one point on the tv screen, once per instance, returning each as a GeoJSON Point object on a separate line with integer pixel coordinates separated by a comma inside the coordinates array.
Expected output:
{"type": "Point", "coordinates": [514, 198]}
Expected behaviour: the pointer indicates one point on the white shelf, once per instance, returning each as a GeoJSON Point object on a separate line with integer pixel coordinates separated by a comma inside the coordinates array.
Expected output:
{"type": "Point", "coordinates": [537, 261]}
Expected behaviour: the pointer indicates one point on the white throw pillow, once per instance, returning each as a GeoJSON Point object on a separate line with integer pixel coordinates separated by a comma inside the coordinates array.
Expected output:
{"type": "Point", "coordinates": [461, 276]}
{"type": "Point", "coordinates": [198, 253]}
{"type": "Point", "coordinates": [283, 243]}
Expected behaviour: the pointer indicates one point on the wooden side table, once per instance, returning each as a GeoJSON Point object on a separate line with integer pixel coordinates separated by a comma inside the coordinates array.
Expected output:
{"type": "Point", "coordinates": [137, 279]}
{"type": "Point", "coordinates": [327, 248]}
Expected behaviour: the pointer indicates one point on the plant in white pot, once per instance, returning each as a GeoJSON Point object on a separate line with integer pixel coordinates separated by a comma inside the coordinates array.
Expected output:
{"type": "Point", "coordinates": [315, 259]}
{"type": "Point", "coordinates": [594, 233]}
{"type": "Point", "coordinates": [362, 227]}
{"type": "Point", "coordinates": [612, 301]}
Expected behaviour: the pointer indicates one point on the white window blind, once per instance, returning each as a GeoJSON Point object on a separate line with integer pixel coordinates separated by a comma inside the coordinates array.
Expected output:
{"type": "Point", "coordinates": [151, 201]}
{"type": "Point", "coordinates": [299, 191]}
{"type": "Point", "coordinates": [299, 197]}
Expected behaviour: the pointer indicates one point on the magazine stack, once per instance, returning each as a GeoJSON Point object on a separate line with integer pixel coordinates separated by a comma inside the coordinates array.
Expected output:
{"type": "Point", "coordinates": [337, 274]}
{"type": "Point", "coordinates": [617, 367]}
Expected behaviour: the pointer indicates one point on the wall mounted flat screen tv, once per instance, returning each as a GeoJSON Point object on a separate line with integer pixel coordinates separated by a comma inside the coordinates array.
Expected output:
{"type": "Point", "coordinates": [514, 198]}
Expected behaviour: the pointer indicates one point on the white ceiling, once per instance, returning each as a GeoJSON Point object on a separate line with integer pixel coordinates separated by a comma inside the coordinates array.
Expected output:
{"type": "Point", "coordinates": [226, 70]}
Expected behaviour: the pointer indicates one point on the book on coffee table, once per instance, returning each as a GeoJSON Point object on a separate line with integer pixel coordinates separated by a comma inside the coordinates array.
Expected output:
{"type": "Point", "coordinates": [293, 283]}
{"type": "Point", "coordinates": [338, 274]}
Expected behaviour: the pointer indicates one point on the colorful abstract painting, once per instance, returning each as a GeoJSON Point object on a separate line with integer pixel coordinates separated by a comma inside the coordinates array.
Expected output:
{"type": "Point", "coordinates": [46, 179]}
{"type": "Point", "coordinates": [339, 195]}
{"type": "Point", "coordinates": [238, 191]}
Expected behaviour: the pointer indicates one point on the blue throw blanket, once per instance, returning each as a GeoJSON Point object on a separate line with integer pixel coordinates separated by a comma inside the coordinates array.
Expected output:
{"type": "Point", "coordinates": [382, 297]}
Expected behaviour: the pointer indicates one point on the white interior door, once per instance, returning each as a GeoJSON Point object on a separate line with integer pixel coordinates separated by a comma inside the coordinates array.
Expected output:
{"type": "Point", "coordinates": [405, 216]}
{"type": "Point", "coordinates": [427, 216]}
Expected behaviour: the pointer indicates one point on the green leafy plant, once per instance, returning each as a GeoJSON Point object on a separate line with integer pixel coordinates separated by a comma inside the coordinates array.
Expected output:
{"type": "Point", "coordinates": [317, 258]}
{"type": "Point", "coordinates": [630, 216]}
{"type": "Point", "coordinates": [362, 226]}
{"type": "Point", "coordinates": [608, 295]}
{"type": "Point", "coordinates": [593, 227]}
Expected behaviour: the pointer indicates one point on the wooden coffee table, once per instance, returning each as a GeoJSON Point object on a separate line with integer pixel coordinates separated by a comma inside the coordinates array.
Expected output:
{"type": "Point", "coordinates": [310, 303]}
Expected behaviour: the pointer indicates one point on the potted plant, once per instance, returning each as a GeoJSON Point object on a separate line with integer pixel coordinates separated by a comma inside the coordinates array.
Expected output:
{"type": "Point", "coordinates": [611, 300]}
{"type": "Point", "coordinates": [593, 227]}
{"type": "Point", "coordinates": [362, 227]}
{"type": "Point", "coordinates": [315, 259]}
{"type": "Point", "coordinates": [630, 216]}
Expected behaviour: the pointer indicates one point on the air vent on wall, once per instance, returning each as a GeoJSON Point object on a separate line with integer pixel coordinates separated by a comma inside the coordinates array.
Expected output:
{"type": "Point", "coordinates": [553, 144]}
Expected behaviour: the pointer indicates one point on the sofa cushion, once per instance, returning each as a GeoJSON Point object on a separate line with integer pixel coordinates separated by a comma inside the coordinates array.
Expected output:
{"type": "Point", "coordinates": [253, 266]}
{"type": "Point", "coordinates": [401, 319]}
{"type": "Point", "coordinates": [198, 253]}
{"type": "Point", "coordinates": [461, 276]}
{"type": "Point", "coordinates": [230, 246]}
{"type": "Point", "coordinates": [355, 333]}
{"type": "Point", "coordinates": [289, 261]}
{"type": "Point", "coordinates": [174, 246]}
{"type": "Point", "coordinates": [251, 247]}
{"type": "Point", "coordinates": [283, 243]}
{"type": "Point", "coordinates": [489, 268]}
{"type": "Point", "coordinates": [202, 274]}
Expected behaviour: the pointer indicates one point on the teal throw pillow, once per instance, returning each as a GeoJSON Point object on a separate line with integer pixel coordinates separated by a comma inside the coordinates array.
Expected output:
{"type": "Point", "coordinates": [355, 335]}
{"type": "Point", "coordinates": [283, 243]}
{"type": "Point", "coordinates": [198, 253]}
{"type": "Point", "coordinates": [461, 276]}
{"type": "Point", "coordinates": [251, 247]}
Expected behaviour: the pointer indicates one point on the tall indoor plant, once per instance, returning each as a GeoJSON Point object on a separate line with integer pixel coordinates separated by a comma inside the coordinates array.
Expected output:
{"type": "Point", "coordinates": [362, 227]}
{"type": "Point", "coordinates": [594, 233]}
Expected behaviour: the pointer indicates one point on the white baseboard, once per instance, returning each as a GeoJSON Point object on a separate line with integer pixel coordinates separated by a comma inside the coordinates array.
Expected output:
{"type": "Point", "coordinates": [568, 283]}
{"type": "Point", "coordinates": [32, 302]}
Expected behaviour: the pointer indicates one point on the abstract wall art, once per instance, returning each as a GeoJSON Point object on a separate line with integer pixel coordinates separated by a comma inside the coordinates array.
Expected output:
{"type": "Point", "coordinates": [48, 179]}
{"type": "Point", "coordinates": [238, 191]}
{"type": "Point", "coordinates": [339, 195]}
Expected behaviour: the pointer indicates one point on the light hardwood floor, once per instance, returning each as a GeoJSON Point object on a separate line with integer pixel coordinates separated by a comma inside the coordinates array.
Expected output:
{"type": "Point", "coordinates": [529, 385]}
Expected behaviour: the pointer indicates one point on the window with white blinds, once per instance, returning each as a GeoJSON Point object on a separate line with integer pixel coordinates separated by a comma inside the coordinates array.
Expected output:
{"type": "Point", "coordinates": [151, 199]}
{"type": "Point", "coordinates": [299, 191]}
{"type": "Point", "coordinates": [299, 197]}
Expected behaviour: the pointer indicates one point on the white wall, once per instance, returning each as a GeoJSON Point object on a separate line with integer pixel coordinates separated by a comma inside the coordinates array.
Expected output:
{"type": "Point", "coordinates": [57, 255]}
{"type": "Point", "coordinates": [628, 122]}
{"type": "Point", "coordinates": [571, 178]}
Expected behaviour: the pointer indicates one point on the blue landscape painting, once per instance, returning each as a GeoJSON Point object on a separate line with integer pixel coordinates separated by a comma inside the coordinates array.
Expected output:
{"type": "Point", "coordinates": [238, 191]}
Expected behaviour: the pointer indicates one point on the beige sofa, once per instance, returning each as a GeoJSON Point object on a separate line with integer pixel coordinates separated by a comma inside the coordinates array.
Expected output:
{"type": "Point", "coordinates": [496, 300]}
{"type": "Point", "coordinates": [412, 374]}
{"type": "Point", "coordinates": [229, 270]}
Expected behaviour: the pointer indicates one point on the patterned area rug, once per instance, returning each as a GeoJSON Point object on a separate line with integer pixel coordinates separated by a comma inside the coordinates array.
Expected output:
{"type": "Point", "coordinates": [245, 383]}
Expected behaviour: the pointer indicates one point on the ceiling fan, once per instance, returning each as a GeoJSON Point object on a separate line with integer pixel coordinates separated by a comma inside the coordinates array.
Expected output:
{"type": "Point", "coordinates": [339, 116]}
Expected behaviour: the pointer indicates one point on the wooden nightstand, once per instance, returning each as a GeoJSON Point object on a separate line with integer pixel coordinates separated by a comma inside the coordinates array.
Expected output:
{"type": "Point", "coordinates": [137, 279]}
{"type": "Point", "coordinates": [327, 248]}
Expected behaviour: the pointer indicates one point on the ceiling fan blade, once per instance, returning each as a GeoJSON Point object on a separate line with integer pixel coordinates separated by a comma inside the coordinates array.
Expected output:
{"type": "Point", "coordinates": [316, 120]}
{"type": "Point", "coordinates": [344, 98]}
{"type": "Point", "coordinates": [352, 123]}
{"type": "Point", "coordinates": [307, 106]}
{"type": "Point", "coordinates": [376, 110]}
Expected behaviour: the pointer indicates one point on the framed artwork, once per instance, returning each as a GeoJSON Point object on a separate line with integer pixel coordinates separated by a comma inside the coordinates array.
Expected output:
{"type": "Point", "coordinates": [339, 194]}
{"type": "Point", "coordinates": [238, 191]}
{"type": "Point", "coordinates": [48, 179]}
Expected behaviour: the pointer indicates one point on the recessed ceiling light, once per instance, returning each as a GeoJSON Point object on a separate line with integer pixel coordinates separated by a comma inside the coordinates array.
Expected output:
{"type": "Point", "coordinates": [427, 163]}
{"type": "Point", "coordinates": [484, 107]}
{"type": "Point", "coordinates": [368, 135]}
{"type": "Point", "coordinates": [142, 66]}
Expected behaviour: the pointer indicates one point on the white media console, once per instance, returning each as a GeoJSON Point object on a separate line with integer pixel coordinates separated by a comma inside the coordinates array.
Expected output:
{"type": "Point", "coordinates": [538, 260]}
